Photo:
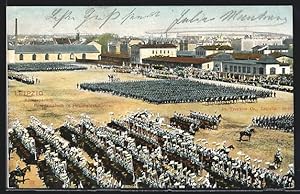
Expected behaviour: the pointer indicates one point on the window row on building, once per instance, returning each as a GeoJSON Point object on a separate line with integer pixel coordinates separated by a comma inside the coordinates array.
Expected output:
{"type": "Point", "coordinates": [200, 52]}
{"type": "Point", "coordinates": [59, 56]}
{"type": "Point", "coordinates": [243, 69]}
{"type": "Point", "coordinates": [254, 70]}
{"type": "Point", "coordinates": [161, 52]}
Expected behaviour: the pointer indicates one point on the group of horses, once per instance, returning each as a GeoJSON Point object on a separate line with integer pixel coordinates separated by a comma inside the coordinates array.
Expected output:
{"type": "Point", "coordinates": [192, 123]}
{"type": "Point", "coordinates": [231, 99]}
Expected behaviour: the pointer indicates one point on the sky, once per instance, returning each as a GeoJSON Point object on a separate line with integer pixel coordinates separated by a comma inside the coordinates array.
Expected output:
{"type": "Point", "coordinates": [137, 20]}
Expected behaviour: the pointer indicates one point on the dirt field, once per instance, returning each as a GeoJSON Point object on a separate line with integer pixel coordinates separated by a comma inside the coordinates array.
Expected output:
{"type": "Point", "coordinates": [57, 96]}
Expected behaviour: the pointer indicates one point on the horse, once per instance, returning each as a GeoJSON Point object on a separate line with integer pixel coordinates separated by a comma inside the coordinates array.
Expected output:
{"type": "Point", "coordinates": [277, 160]}
{"type": "Point", "coordinates": [10, 149]}
{"type": "Point", "coordinates": [226, 150]}
{"type": "Point", "coordinates": [253, 98]}
{"type": "Point", "coordinates": [13, 182]}
{"type": "Point", "coordinates": [248, 132]}
{"type": "Point", "coordinates": [216, 124]}
{"type": "Point", "coordinates": [21, 172]}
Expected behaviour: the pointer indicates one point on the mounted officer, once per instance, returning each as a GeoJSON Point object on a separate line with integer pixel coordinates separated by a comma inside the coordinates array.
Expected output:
{"type": "Point", "coordinates": [278, 157]}
{"type": "Point", "coordinates": [18, 169]}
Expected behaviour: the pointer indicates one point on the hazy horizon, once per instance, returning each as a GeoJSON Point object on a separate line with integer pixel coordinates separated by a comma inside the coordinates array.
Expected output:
{"type": "Point", "coordinates": [140, 20]}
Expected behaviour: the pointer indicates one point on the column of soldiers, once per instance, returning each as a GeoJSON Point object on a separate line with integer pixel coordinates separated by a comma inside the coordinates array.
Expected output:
{"type": "Point", "coordinates": [159, 172]}
{"type": "Point", "coordinates": [121, 156]}
{"type": "Point", "coordinates": [72, 125]}
{"type": "Point", "coordinates": [151, 160]}
{"type": "Point", "coordinates": [215, 119]}
{"type": "Point", "coordinates": [177, 91]}
{"type": "Point", "coordinates": [28, 142]}
{"type": "Point", "coordinates": [244, 172]}
{"type": "Point", "coordinates": [143, 131]}
{"type": "Point", "coordinates": [73, 155]}
{"type": "Point", "coordinates": [23, 78]}
{"type": "Point", "coordinates": [57, 166]}
{"type": "Point", "coordinates": [181, 144]}
{"type": "Point", "coordinates": [112, 144]}
{"type": "Point", "coordinates": [184, 72]}
{"type": "Point", "coordinates": [237, 174]}
{"type": "Point", "coordinates": [277, 122]}
{"type": "Point", "coordinates": [44, 67]}
{"type": "Point", "coordinates": [185, 122]}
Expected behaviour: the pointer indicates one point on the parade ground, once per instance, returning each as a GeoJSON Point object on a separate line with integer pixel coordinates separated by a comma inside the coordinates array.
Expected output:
{"type": "Point", "coordinates": [57, 95]}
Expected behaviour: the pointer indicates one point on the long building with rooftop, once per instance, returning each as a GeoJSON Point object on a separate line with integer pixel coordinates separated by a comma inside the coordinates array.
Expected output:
{"type": "Point", "coordinates": [266, 65]}
{"type": "Point", "coordinates": [53, 53]}
{"type": "Point", "coordinates": [142, 51]}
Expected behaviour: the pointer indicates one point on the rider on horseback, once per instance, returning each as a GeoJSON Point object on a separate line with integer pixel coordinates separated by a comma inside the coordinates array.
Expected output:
{"type": "Point", "coordinates": [248, 129]}
{"type": "Point", "coordinates": [278, 156]}
{"type": "Point", "coordinates": [18, 169]}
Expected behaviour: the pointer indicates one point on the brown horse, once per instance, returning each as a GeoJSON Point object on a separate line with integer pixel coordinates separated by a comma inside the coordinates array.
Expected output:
{"type": "Point", "coordinates": [91, 166]}
{"type": "Point", "coordinates": [248, 132]}
{"type": "Point", "coordinates": [21, 172]}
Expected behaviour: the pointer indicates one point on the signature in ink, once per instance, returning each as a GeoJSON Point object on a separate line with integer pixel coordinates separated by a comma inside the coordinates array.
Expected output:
{"type": "Point", "coordinates": [58, 15]}
{"type": "Point", "coordinates": [238, 15]}
{"type": "Point", "coordinates": [183, 18]}
{"type": "Point", "coordinates": [133, 16]}
{"type": "Point", "coordinates": [90, 14]}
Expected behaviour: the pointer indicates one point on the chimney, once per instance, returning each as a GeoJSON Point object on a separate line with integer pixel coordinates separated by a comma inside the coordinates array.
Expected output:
{"type": "Point", "coordinates": [16, 32]}
{"type": "Point", "coordinates": [78, 36]}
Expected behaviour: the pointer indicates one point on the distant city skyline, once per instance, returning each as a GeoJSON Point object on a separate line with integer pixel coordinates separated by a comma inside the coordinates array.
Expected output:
{"type": "Point", "coordinates": [140, 20]}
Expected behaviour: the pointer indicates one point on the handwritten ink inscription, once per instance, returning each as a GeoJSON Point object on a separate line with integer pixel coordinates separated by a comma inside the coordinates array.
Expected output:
{"type": "Point", "coordinates": [235, 15]}
{"type": "Point", "coordinates": [183, 18]}
{"type": "Point", "coordinates": [60, 15]}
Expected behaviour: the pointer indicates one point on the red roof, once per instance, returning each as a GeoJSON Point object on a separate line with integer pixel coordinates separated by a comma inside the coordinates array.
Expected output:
{"type": "Point", "coordinates": [213, 55]}
{"type": "Point", "coordinates": [113, 55]}
{"type": "Point", "coordinates": [278, 54]}
{"type": "Point", "coordinates": [156, 45]}
{"type": "Point", "coordinates": [245, 56]}
{"type": "Point", "coordinates": [215, 47]}
{"type": "Point", "coordinates": [186, 60]}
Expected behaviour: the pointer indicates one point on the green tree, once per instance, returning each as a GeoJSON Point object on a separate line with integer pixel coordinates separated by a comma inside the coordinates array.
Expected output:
{"type": "Point", "coordinates": [103, 39]}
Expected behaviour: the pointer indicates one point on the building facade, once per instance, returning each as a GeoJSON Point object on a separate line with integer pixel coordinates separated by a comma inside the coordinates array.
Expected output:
{"type": "Point", "coordinates": [125, 47]}
{"type": "Point", "coordinates": [114, 47]}
{"type": "Point", "coordinates": [172, 62]}
{"type": "Point", "coordinates": [264, 66]}
{"type": "Point", "coordinates": [284, 59]}
{"type": "Point", "coordinates": [186, 54]}
{"type": "Point", "coordinates": [246, 44]}
{"type": "Point", "coordinates": [53, 53]}
{"type": "Point", "coordinates": [142, 51]}
{"type": "Point", "coordinates": [203, 51]}
{"type": "Point", "coordinates": [186, 45]}
{"type": "Point", "coordinates": [268, 49]}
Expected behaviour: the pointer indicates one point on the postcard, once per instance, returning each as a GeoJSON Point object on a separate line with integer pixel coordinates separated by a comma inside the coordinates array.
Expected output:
{"type": "Point", "coordinates": [150, 97]}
